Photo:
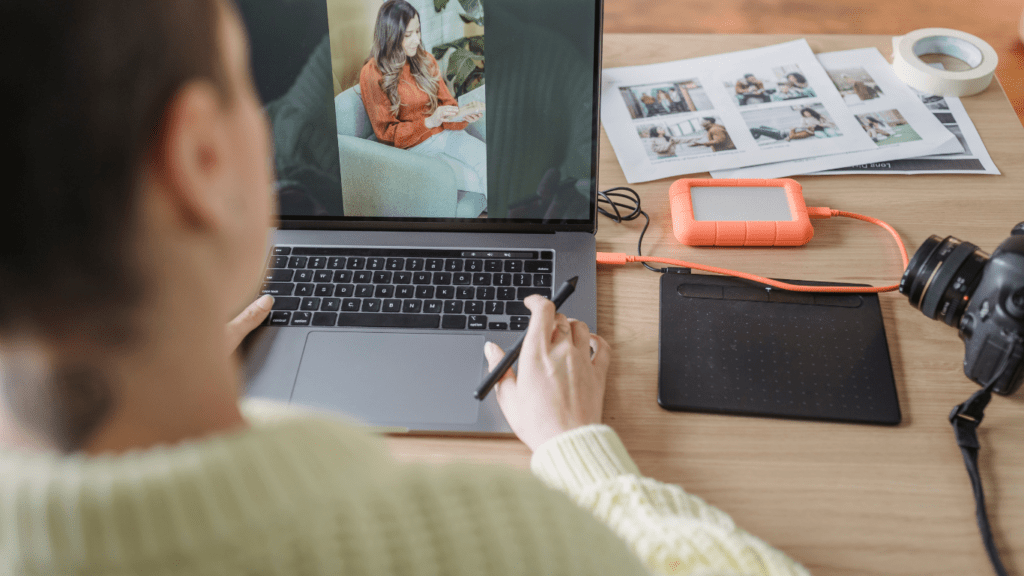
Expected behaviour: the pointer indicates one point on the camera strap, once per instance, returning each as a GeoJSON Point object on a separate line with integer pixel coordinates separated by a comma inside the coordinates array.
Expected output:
{"type": "Point", "coordinates": [965, 419]}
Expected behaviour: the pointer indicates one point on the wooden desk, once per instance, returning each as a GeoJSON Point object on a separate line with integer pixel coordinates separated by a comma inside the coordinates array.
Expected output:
{"type": "Point", "coordinates": [842, 499]}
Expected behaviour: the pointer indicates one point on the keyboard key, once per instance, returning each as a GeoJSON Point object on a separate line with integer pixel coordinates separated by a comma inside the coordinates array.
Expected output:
{"type": "Point", "coordinates": [282, 251]}
{"type": "Point", "coordinates": [547, 255]}
{"type": "Point", "coordinates": [364, 290]}
{"type": "Point", "coordinates": [391, 305]}
{"type": "Point", "coordinates": [403, 277]}
{"type": "Point", "coordinates": [414, 264]}
{"type": "Point", "coordinates": [406, 291]}
{"type": "Point", "coordinates": [434, 265]}
{"type": "Point", "coordinates": [279, 262]}
{"type": "Point", "coordinates": [453, 307]}
{"type": "Point", "coordinates": [421, 278]}
{"type": "Point", "coordinates": [492, 266]}
{"type": "Point", "coordinates": [522, 280]}
{"type": "Point", "coordinates": [302, 318]}
{"type": "Point", "coordinates": [363, 277]}
{"type": "Point", "coordinates": [350, 305]}
{"type": "Point", "coordinates": [310, 304]}
{"type": "Point", "coordinates": [304, 290]}
{"type": "Point", "coordinates": [323, 276]}
{"type": "Point", "coordinates": [356, 263]}
{"type": "Point", "coordinates": [542, 280]}
{"type": "Point", "coordinates": [518, 325]}
{"type": "Point", "coordinates": [382, 277]}
{"type": "Point", "coordinates": [412, 306]}
{"type": "Point", "coordinates": [465, 292]}
{"type": "Point", "coordinates": [344, 290]}
{"type": "Point", "coordinates": [539, 266]}
{"type": "Point", "coordinates": [279, 275]}
{"type": "Point", "coordinates": [297, 262]}
{"type": "Point", "coordinates": [453, 265]}
{"type": "Point", "coordinates": [478, 322]}
{"type": "Point", "coordinates": [506, 293]}
{"type": "Point", "coordinates": [331, 305]}
{"type": "Point", "coordinates": [446, 292]}
{"type": "Point", "coordinates": [318, 262]}
{"type": "Point", "coordinates": [371, 305]}
{"type": "Point", "coordinates": [485, 293]}
{"type": "Point", "coordinates": [442, 278]}
{"type": "Point", "coordinates": [324, 290]}
{"type": "Point", "coordinates": [390, 320]}
{"type": "Point", "coordinates": [519, 319]}
{"type": "Point", "coordinates": [516, 309]}
{"type": "Point", "coordinates": [497, 326]}
{"type": "Point", "coordinates": [336, 263]}
{"type": "Point", "coordinates": [502, 279]}
{"type": "Point", "coordinates": [280, 318]}
{"type": "Point", "coordinates": [495, 308]}
{"type": "Point", "coordinates": [303, 275]}
{"type": "Point", "coordinates": [325, 319]}
{"type": "Point", "coordinates": [342, 276]}
{"type": "Point", "coordinates": [475, 307]}
{"type": "Point", "coordinates": [474, 265]}
{"type": "Point", "coordinates": [432, 306]}
{"type": "Point", "coordinates": [384, 291]}
{"type": "Point", "coordinates": [513, 265]}
{"type": "Point", "coordinates": [522, 293]}
{"type": "Point", "coordinates": [375, 263]}
{"type": "Point", "coordinates": [452, 322]}
{"type": "Point", "coordinates": [462, 278]}
{"type": "Point", "coordinates": [287, 303]}
{"type": "Point", "coordinates": [278, 289]}
{"type": "Point", "coordinates": [425, 292]}
{"type": "Point", "coordinates": [482, 279]}
{"type": "Point", "coordinates": [395, 263]}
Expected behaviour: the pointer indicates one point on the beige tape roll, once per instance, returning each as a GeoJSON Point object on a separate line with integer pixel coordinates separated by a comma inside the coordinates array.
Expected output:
{"type": "Point", "coordinates": [977, 53]}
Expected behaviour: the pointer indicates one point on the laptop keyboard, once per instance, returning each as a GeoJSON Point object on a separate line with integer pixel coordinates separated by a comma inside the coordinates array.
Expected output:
{"type": "Point", "coordinates": [405, 288]}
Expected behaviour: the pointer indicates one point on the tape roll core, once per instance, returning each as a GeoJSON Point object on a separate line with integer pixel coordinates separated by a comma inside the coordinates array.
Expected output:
{"type": "Point", "coordinates": [970, 49]}
{"type": "Point", "coordinates": [955, 47]}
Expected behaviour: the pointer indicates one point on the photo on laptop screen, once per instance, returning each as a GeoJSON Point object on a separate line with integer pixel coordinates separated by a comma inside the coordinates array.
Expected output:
{"type": "Point", "coordinates": [462, 111]}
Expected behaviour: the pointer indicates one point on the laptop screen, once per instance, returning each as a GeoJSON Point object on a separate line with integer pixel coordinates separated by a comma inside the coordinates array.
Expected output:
{"type": "Point", "coordinates": [473, 114]}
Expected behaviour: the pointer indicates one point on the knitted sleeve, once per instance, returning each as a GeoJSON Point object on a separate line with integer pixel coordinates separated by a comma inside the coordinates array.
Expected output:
{"type": "Point", "coordinates": [673, 532]}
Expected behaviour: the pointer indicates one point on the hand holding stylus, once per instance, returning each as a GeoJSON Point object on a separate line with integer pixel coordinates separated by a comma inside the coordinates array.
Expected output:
{"type": "Point", "coordinates": [560, 384]}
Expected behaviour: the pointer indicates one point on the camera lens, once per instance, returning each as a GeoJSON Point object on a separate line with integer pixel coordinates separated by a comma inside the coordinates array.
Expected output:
{"type": "Point", "coordinates": [942, 276]}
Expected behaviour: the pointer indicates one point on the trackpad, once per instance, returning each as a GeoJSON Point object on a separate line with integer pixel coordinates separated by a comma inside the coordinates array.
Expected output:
{"type": "Point", "coordinates": [392, 379]}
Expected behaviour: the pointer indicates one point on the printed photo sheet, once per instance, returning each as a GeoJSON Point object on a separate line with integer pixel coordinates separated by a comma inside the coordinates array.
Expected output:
{"type": "Point", "coordinates": [746, 108]}
{"type": "Point", "coordinates": [886, 109]}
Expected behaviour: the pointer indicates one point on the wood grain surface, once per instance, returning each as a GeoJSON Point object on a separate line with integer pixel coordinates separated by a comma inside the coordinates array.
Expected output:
{"type": "Point", "coordinates": [842, 499]}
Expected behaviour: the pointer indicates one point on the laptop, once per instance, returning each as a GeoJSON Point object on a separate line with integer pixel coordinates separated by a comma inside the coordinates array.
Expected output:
{"type": "Point", "coordinates": [418, 210]}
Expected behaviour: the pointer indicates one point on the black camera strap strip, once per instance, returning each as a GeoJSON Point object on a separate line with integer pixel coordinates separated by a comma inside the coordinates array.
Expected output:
{"type": "Point", "coordinates": [965, 419]}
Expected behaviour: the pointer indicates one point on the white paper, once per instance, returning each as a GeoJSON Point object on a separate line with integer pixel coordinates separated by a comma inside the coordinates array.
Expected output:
{"type": "Point", "coordinates": [886, 109]}
{"type": "Point", "coordinates": [669, 119]}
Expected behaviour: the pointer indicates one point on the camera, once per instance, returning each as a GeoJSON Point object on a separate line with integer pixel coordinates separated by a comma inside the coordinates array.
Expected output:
{"type": "Point", "coordinates": [980, 295]}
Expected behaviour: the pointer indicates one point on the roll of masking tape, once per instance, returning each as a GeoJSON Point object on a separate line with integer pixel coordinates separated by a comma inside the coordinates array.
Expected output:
{"type": "Point", "coordinates": [974, 51]}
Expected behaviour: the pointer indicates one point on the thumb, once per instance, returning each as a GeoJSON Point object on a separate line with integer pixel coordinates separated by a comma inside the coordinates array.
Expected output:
{"type": "Point", "coordinates": [494, 354]}
{"type": "Point", "coordinates": [248, 320]}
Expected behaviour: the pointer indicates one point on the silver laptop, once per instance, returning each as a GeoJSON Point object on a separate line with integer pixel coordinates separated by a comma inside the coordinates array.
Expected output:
{"type": "Point", "coordinates": [410, 237]}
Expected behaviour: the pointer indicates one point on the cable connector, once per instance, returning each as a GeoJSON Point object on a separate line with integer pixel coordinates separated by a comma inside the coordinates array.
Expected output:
{"type": "Point", "coordinates": [613, 258]}
{"type": "Point", "coordinates": [820, 213]}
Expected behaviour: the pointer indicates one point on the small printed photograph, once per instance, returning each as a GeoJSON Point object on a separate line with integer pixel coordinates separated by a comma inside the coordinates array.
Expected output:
{"type": "Point", "coordinates": [665, 98]}
{"type": "Point", "coordinates": [770, 85]}
{"type": "Point", "coordinates": [788, 123]}
{"type": "Point", "coordinates": [887, 127]}
{"type": "Point", "coordinates": [855, 84]}
{"type": "Point", "coordinates": [955, 129]}
{"type": "Point", "coordinates": [689, 137]}
{"type": "Point", "coordinates": [933, 102]}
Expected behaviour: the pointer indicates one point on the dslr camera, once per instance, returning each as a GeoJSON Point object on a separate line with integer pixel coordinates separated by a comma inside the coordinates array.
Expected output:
{"type": "Point", "coordinates": [980, 295]}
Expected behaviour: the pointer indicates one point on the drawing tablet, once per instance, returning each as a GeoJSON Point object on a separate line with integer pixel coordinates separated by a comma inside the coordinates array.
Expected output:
{"type": "Point", "coordinates": [730, 346]}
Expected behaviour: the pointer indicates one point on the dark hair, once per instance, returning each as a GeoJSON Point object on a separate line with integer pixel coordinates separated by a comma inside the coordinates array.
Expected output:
{"type": "Point", "coordinates": [654, 132]}
{"type": "Point", "coordinates": [388, 35]}
{"type": "Point", "coordinates": [749, 76]}
{"type": "Point", "coordinates": [709, 119]}
{"type": "Point", "coordinates": [87, 94]}
{"type": "Point", "coordinates": [872, 120]}
{"type": "Point", "coordinates": [813, 113]}
{"type": "Point", "coordinates": [799, 77]}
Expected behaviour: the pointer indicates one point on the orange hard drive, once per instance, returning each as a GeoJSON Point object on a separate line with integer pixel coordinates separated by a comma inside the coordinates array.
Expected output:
{"type": "Point", "coordinates": [779, 231]}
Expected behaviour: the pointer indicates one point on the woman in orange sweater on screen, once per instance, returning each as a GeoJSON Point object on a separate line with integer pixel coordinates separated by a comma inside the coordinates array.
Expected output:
{"type": "Point", "coordinates": [408, 102]}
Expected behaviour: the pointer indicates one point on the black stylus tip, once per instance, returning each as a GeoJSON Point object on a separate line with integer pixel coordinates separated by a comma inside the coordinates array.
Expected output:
{"type": "Point", "coordinates": [572, 281]}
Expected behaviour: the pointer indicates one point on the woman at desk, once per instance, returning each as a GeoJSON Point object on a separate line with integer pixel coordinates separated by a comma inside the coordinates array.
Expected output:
{"type": "Point", "coordinates": [123, 446]}
{"type": "Point", "coordinates": [408, 102]}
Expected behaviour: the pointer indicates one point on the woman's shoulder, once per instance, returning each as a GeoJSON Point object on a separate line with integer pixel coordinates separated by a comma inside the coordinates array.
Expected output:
{"type": "Point", "coordinates": [370, 69]}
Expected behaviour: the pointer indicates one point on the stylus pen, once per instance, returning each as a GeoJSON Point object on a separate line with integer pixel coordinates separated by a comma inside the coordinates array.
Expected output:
{"type": "Point", "coordinates": [510, 358]}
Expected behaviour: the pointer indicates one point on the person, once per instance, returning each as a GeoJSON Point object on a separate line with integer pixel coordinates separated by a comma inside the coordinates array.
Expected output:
{"type": "Point", "coordinates": [860, 88]}
{"type": "Point", "coordinates": [409, 104]}
{"type": "Point", "coordinates": [678, 104]}
{"type": "Point", "coordinates": [137, 225]}
{"type": "Point", "coordinates": [812, 122]}
{"type": "Point", "coordinates": [717, 137]}
{"type": "Point", "coordinates": [794, 85]}
{"type": "Point", "coordinates": [876, 130]}
{"type": "Point", "coordinates": [665, 102]}
{"type": "Point", "coordinates": [652, 105]}
{"type": "Point", "coordinates": [749, 88]}
{"type": "Point", "coordinates": [662, 144]}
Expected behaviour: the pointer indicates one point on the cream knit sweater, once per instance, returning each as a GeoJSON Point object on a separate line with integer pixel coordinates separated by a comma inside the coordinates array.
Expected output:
{"type": "Point", "coordinates": [309, 495]}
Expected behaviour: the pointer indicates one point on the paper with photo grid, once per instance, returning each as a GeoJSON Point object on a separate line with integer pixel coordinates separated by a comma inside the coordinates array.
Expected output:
{"type": "Point", "coordinates": [690, 116]}
{"type": "Point", "coordinates": [886, 108]}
